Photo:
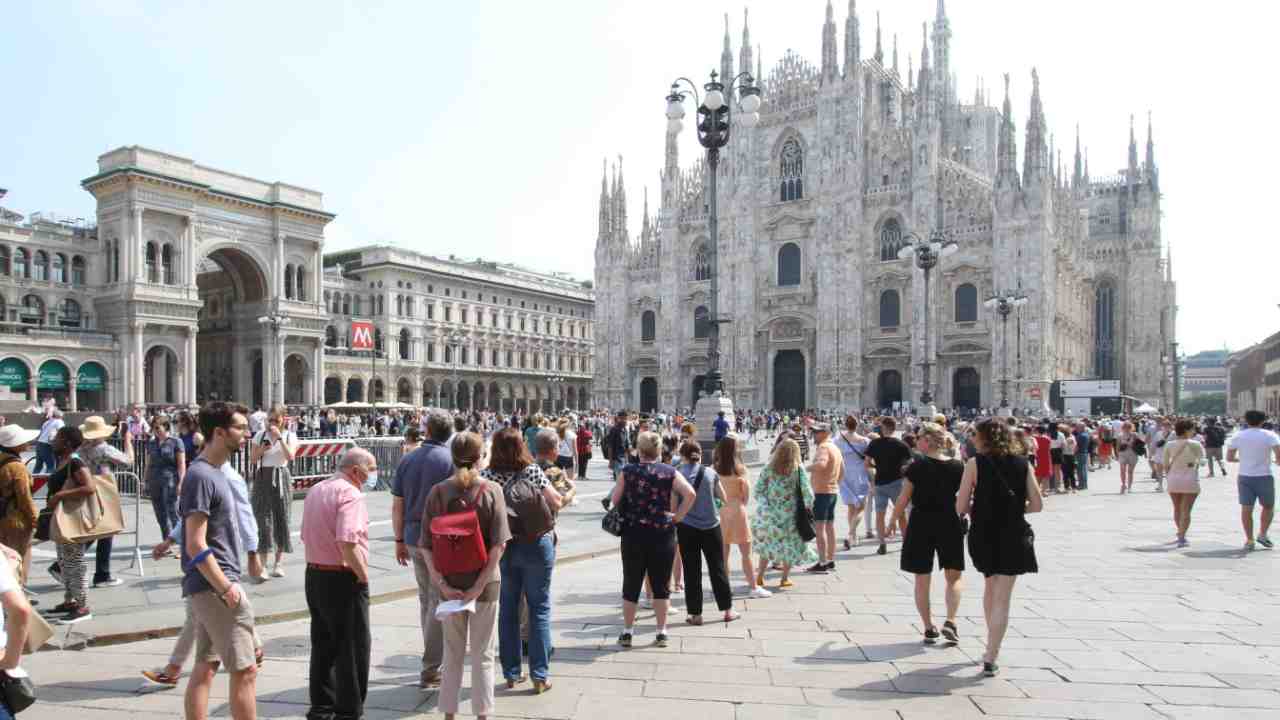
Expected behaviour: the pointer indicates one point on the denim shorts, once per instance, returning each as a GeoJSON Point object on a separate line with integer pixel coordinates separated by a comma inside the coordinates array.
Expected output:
{"type": "Point", "coordinates": [824, 507]}
{"type": "Point", "coordinates": [1257, 489]}
{"type": "Point", "coordinates": [887, 492]}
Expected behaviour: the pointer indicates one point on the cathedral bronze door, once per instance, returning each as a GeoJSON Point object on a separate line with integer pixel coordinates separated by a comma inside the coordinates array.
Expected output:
{"type": "Point", "coordinates": [788, 380]}
{"type": "Point", "coordinates": [965, 389]}
{"type": "Point", "coordinates": [648, 395]}
{"type": "Point", "coordinates": [699, 381]}
{"type": "Point", "coordinates": [888, 389]}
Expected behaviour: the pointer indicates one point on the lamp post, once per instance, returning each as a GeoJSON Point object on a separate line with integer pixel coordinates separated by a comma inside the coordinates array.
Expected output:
{"type": "Point", "coordinates": [713, 127]}
{"type": "Point", "coordinates": [1004, 303]}
{"type": "Point", "coordinates": [927, 254]}
{"type": "Point", "coordinates": [276, 321]}
{"type": "Point", "coordinates": [552, 381]}
{"type": "Point", "coordinates": [454, 341]}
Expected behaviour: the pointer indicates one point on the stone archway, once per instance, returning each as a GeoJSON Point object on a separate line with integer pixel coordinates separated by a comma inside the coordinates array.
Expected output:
{"type": "Point", "coordinates": [332, 390]}
{"type": "Point", "coordinates": [297, 381]}
{"type": "Point", "coordinates": [234, 290]}
{"type": "Point", "coordinates": [160, 369]}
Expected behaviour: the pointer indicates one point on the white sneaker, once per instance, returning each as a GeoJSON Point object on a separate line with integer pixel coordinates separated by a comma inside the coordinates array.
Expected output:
{"type": "Point", "coordinates": [760, 592]}
{"type": "Point", "coordinates": [276, 572]}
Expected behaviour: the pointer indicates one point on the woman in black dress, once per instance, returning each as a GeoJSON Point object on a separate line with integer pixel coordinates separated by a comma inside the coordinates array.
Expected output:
{"type": "Point", "coordinates": [997, 490]}
{"type": "Point", "coordinates": [930, 488]}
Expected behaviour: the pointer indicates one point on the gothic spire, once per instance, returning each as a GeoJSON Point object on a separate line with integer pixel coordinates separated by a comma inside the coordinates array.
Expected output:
{"type": "Point", "coordinates": [726, 57]}
{"type": "Point", "coordinates": [1007, 148]}
{"type": "Point", "coordinates": [911, 73]}
{"type": "Point", "coordinates": [1077, 177]}
{"type": "Point", "coordinates": [1151, 147]}
{"type": "Point", "coordinates": [830, 70]}
{"type": "Point", "coordinates": [604, 228]}
{"type": "Point", "coordinates": [1035, 158]}
{"type": "Point", "coordinates": [645, 228]}
{"type": "Point", "coordinates": [745, 61]}
{"type": "Point", "coordinates": [895, 53]}
{"type": "Point", "coordinates": [879, 56]}
{"type": "Point", "coordinates": [1133, 153]}
{"type": "Point", "coordinates": [852, 42]}
{"type": "Point", "coordinates": [923, 85]}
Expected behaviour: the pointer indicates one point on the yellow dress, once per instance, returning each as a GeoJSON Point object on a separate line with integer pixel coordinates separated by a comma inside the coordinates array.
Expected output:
{"type": "Point", "coordinates": [733, 516]}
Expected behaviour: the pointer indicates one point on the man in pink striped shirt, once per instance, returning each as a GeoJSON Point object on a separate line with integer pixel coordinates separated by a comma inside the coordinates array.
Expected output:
{"type": "Point", "coordinates": [335, 531]}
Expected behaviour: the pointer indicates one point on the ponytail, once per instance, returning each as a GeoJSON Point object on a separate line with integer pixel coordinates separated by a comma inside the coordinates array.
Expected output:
{"type": "Point", "coordinates": [466, 448]}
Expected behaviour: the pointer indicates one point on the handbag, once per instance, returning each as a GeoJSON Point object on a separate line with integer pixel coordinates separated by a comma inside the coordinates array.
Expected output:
{"type": "Point", "coordinates": [19, 692]}
{"type": "Point", "coordinates": [89, 517]}
{"type": "Point", "coordinates": [612, 522]}
{"type": "Point", "coordinates": [804, 516]}
{"type": "Point", "coordinates": [1028, 535]}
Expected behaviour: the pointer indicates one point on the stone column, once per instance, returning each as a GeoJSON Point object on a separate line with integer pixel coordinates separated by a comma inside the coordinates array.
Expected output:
{"type": "Point", "coordinates": [32, 393]}
{"type": "Point", "coordinates": [317, 373]}
{"type": "Point", "coordinates": [71, 393]}
{"type": "Point", "coordinates": [137, 368]}
{"type": "Point", "coordinates": [278, 270]}
{"type": "Point", "coordinates": [187, 393]}
{"type": "Point", "coordinates": [135, 247]}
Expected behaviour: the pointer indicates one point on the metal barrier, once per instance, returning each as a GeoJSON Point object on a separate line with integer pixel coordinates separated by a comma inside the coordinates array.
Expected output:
{"type": "Point", "coordinates": [129, 485]}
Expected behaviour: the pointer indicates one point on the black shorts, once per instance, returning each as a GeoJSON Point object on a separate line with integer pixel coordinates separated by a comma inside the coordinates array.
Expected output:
{"type": "Point", "coordinates": [564, 462]}
{"type": "Point", "coordinates": [930, 533]}
{"type": "Point", "coordinates": [1055, 456]}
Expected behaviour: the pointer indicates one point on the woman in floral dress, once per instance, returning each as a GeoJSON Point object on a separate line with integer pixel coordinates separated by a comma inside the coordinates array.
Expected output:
{"type": "Point", "coordinates": [774, 528]}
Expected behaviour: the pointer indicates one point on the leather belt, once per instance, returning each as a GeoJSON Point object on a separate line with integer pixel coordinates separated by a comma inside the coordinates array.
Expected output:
{"type": "Point", "coordinates": [329, 568]}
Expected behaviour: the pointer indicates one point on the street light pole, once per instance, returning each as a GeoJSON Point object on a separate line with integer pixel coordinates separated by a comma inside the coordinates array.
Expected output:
{"type": "Point", "coordinates": [713, 127]}
{"type": "Point", "coordinates": [927, 254]}
{"type": "Point", "coordinates": [1004, 303]}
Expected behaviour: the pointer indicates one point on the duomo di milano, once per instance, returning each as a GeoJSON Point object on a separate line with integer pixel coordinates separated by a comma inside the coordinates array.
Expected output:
{"type": "Point", "coordinates": [850, 159]}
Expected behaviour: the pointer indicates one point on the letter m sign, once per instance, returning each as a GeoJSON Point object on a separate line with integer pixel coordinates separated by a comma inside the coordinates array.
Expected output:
{"type": "Point", "coordinates": [361, 335]}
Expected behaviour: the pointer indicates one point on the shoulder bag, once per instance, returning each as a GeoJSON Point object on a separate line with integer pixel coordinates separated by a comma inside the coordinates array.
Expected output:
{"type": "Point", "coordinates": [612, 522]}
{"type": "Point", "coordinates": [89, 517]}
{"type": "Point", "coordinates": [18, 690]}
{"type": "Point", "coordinates": [1028, 535]}
{"type": "Point", "coordinates": [804, 516]}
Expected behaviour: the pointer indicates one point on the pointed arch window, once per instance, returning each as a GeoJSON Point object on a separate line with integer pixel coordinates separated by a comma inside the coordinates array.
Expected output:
{"type": "Point", "coordinates": [966, 303]}
{"type": "Point", "coordinates": [890, 240]}
{"type": "Point", "coordinates": [701, 262]}
{"type": "Point", "coordinates": [789, 265]}
{"type": "Point", "coordinates": [701, 322]}
{"type": "Point", "coordinates": [890, 309]}
{"type": "Point", "coordinates": [791, 170]}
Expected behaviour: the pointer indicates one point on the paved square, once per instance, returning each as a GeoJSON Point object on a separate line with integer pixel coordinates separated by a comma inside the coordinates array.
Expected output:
{"type": "Point", "coordinates": [1118, 624]}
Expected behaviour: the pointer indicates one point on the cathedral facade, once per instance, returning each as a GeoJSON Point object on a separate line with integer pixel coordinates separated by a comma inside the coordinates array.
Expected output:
{"type": "Point", "coordinates": [850, 161]}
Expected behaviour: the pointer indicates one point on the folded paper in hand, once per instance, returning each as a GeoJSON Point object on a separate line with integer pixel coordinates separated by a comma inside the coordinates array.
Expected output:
{"type": "Point", "coordinates": [449, 607]}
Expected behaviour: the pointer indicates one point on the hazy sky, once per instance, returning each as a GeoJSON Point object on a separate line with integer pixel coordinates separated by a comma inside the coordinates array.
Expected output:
{"type": "Point", "coordinates": [478, 128]}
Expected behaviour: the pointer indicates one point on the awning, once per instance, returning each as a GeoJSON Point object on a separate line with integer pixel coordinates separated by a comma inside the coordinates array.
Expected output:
{"type": "Point", "coordinates": [14, 375]}
{"type": "Point", "coordinates": [53, 375]}
{"type": "Point", "coordinates": [91, 376]}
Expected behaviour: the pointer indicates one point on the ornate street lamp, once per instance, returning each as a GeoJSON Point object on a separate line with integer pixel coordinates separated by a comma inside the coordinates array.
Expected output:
{"type": "Point", "coordinates": [927, 254]}
{"type": "Point", "coordinates": [276, 321]}
{"type": "Point", "coordinates": [1004, 303]}
{"type": "Point", "coordinates": [714, 115]}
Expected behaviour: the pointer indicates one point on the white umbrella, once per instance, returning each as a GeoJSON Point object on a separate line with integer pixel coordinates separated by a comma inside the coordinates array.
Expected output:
{"type": "Point", "coordinates": [1144, 408]}
{"type": "Point", "coordinates": [338, 405]}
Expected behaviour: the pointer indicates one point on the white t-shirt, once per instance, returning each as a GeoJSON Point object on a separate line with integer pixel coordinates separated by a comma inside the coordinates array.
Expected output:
{"type": "Point", "coordinates": [275, 456]}
{"type": "Point", "coordinates": [8, 582]}
{"type": "Point", "coordinates": [567, 444]}
{"type": "Point", "coordinates": [1255, 448]}
{"type": "Point", "coordinates": [49, 429]}
{"type": "Point", "coordinates": [257, 422]}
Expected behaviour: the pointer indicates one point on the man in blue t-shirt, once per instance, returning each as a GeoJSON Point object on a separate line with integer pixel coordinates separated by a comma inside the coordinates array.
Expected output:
{"type": "Point", "coordinates": [417, 473]}
{"type": "Point", "coordinates": [721, 426]}
{"type": "Point", "coordinates": [220, 610]}
{"type": "Point", "coordinates": [1081, 434]}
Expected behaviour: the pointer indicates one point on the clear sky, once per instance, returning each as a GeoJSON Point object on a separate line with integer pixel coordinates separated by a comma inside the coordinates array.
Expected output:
{"type": "Point", "coordinates": [478, 128]}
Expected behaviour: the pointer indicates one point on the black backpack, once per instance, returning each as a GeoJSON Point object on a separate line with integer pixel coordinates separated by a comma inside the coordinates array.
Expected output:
{"type": "Point", "coordinates": [528, 514]}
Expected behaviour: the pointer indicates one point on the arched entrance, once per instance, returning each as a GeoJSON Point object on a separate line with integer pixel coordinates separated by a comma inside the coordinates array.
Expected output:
{"type": "Point", "coordinates": [479, 393]}
{"type": "Point", "coordinates": [54, 380]}
{"type": "Point", "coordinates": [495, 397]}
{"type": "Point", "coordinates": [15, 377]}
{"type": "Point", "coordinates": [234, 290]}
{"type": "Point", "coordinates": [966, 389]}
{"type": "Point", "coordinates": [377, 393]}
{"type": "Point", "coordinates": [648, 395]}
{"type": "Point", "coordinates": [355, 390]}
{"type": "Point", "coordinates": [464, 396]}
{"type": "Point", "coordinates": [788, 380]}
{"type": "Point", "coordinates": [888, 388]}
{"type": "Point", "coordinates": [404, 391]}
{"type": "Point", "coordinates": [91, 387]}
{"type": "Point", "coordinates": [428, 393]}
{"type": "Point", "coordinates": [160, 369]}
{"type": "Point", "coordinates": [699, 382]}
{"type": "Point", "coordinates": [332, 390]}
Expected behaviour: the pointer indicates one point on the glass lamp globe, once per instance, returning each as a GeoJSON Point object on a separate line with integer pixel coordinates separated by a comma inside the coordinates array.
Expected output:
{"type": "Point", "coordinates": [991, 302]}
{"type": "Point", "coordinates": [950, 248]}
{"type": "Point", "coordinates": [750, 119]}
{"type": "Point", "coordinates": [675, 110]}
{"type": "Point", "coordinates": [751, 103]}
{"type": "Point", "coordinates": [714, 100]}
{"type": "Point", "coordinates": [674, 126]}
{"type": "Point", "coordinates": [906, 252]}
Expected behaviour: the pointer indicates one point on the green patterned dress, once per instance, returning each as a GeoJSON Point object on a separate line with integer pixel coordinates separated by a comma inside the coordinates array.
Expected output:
{"type": "Point", "coordinates": [774, 530]}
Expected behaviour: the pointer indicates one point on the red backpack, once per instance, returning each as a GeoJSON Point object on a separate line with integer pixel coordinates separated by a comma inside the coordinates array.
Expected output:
{"type": "Point", "coordinates": [457, 545]}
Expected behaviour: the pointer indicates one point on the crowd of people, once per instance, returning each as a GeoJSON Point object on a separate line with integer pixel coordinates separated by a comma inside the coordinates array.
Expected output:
{"type": "Point", "coordinates": [476, 498]}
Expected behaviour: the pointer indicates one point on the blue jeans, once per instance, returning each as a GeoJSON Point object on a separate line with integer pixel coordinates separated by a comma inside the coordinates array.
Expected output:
{"type": "Point", "coordinates": [4, 712]}
{"type": "Point", "coordinates": [526, 571]}
{"type": "Point", "coordinates": [45, 460]}
{"type": "Point", "coordinates": [1082, 471]}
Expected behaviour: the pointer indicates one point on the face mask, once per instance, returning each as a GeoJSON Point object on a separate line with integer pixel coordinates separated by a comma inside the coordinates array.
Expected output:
{"type": "Point", "coordinates": [370, 480]}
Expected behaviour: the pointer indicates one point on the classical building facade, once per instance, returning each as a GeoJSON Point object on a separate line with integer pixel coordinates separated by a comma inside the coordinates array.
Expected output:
{"type": "Point", "coordinates": [850, 161]}
{"type": "Point", "coordinates": [193, 284]}
{"type": "Point", "coordinates": [453, 333]}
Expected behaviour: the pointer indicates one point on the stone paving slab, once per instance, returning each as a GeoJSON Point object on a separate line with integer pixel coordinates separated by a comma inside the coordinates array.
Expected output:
{"type": "Point", "coordinates": [1119, 624]}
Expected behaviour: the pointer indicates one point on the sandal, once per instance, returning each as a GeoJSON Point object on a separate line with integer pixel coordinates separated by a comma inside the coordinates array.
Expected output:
{"type": "Point", "coordinates": [259, 657]}
{"type": "Point", "coordinates": [694, 620]}
{"type": "Point", "coordinates": [731, 616]}
{"type": "Point", "coordinates": [512, 682]}
{"type": "Point", "coordinates": [160, 677]}
{"type": "Point", "coordinates": [786, 584]}
{"type": "Point", "coordinates": [541, 686]}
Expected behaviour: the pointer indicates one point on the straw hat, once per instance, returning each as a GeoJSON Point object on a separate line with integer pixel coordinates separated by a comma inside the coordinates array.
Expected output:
{"type": "Point", "coordinates": [13, 436]}
{"type": "Point", "coordinates": [95, 428]}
